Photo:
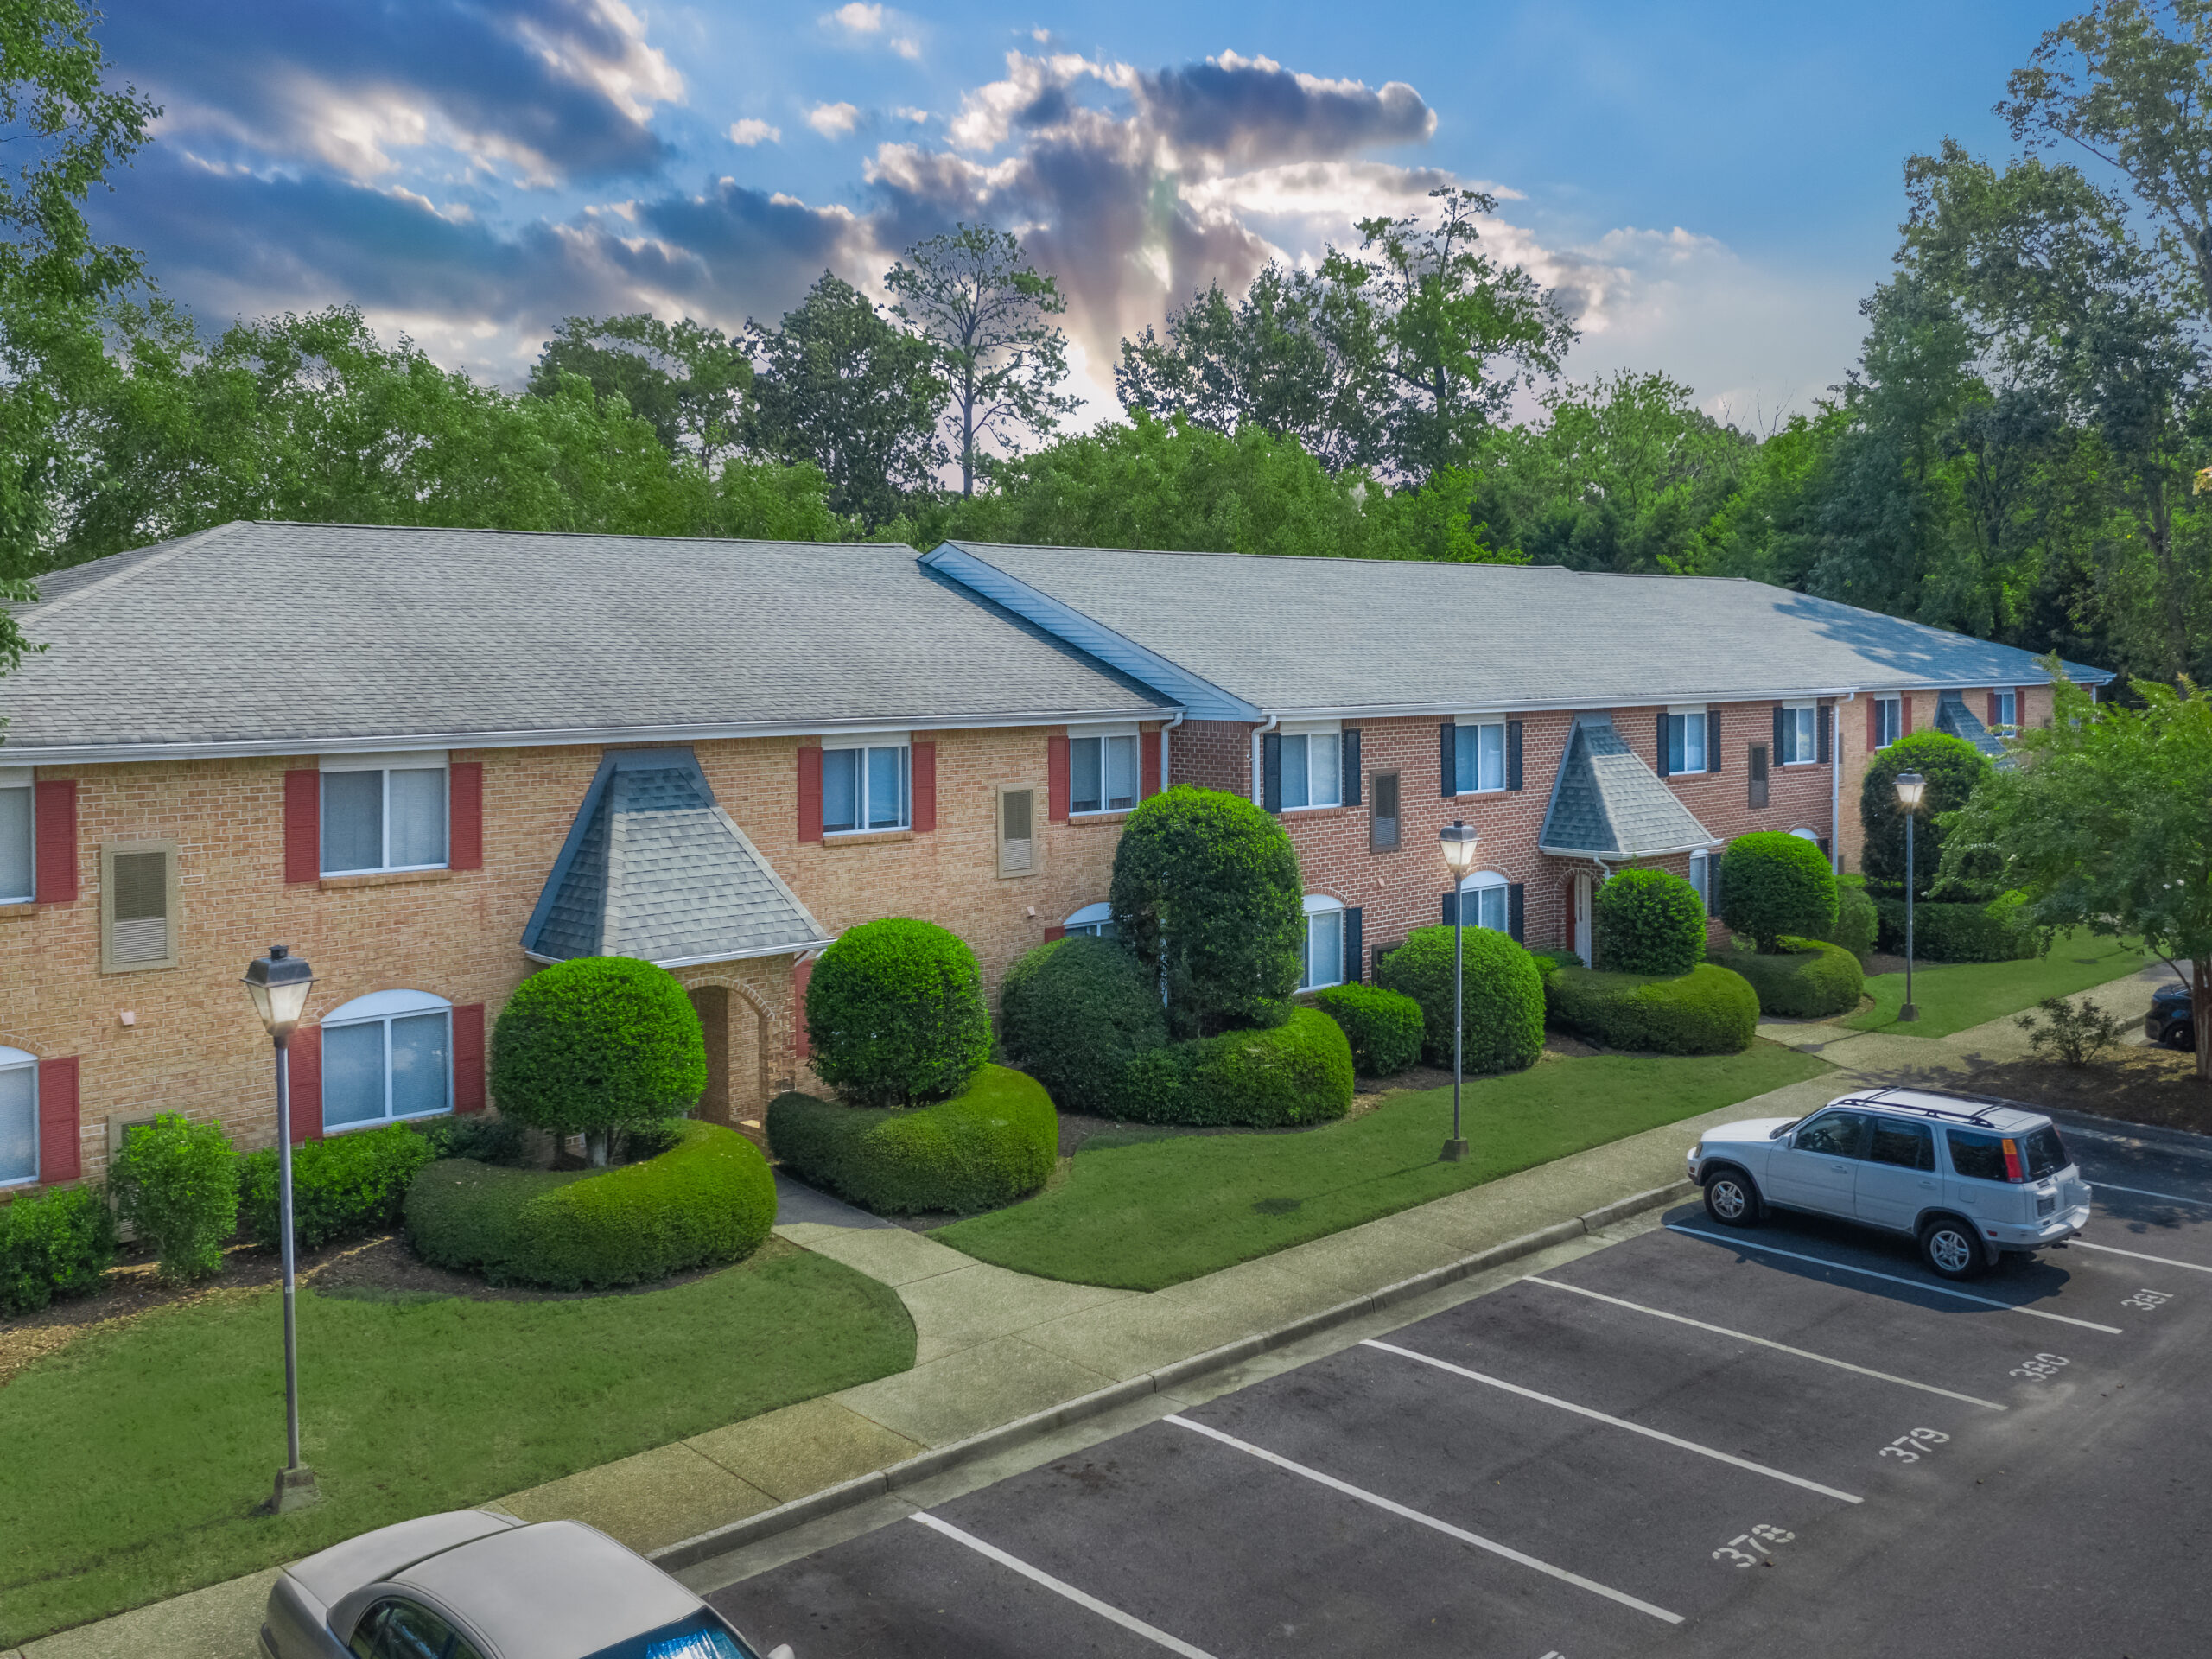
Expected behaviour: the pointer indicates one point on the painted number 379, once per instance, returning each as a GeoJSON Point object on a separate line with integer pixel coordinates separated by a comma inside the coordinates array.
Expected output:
{"type": "Point", "coordinates": [1907, 1448]}
{"type": "Point", "coordinates": [1729, 1552]}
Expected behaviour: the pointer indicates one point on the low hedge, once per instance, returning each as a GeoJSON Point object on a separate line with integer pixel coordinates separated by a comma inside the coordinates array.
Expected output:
{"type": "Point", "coordinates": [1858, 923]}
{"type": "Point", "coordinates": [53, 1243]}
{"type": "Point", "coordinates": [1505, 997]}
{"type": "Point", "coordinates": [1951, 931]}
{"type": "Point", "coordinates": [1811, 980]}
{"type": "Point", "coordinates": [1286, 1076]}
{"type": "Point", "coordinates": [1706, 1011]}
{"type": "Point", "coordinates": [342, 1187]}
{"type": "Point", "coordinates": [994, 1143]}
{"type": "Point", "coordinates": [1074, 1012]}
{"type": "Point", "coordinates": [707, 1202]}
{"type": "Point", "coordinates": [1383, 1028]}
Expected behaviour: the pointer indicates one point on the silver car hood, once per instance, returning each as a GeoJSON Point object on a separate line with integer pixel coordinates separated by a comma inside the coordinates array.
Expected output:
{"type": "Point", "coordinates": [1760, 1129]}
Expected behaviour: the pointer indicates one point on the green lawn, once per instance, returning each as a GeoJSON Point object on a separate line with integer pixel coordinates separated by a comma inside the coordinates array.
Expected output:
{"type": "Point", "coordinates": [1953, 997]}
{"type": "Point", "coordinates": [1142, 1213]}
{"type": "Point", "coordinates": [136, 1456]}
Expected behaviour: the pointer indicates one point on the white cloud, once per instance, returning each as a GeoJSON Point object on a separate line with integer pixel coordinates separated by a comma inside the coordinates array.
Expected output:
{"type": "Point", "coordinates": [833, 120]}
{"type": "Point", "coordinates": [753, 130]}
{"type": "Point", "coordinates": [907, 112]}
{"type": "Point", "coordinates": [856, 19]}
{"type": "Point", "coordinates": [906, 47]}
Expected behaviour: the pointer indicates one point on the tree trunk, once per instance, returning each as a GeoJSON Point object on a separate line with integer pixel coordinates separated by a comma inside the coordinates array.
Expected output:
{"type": "Point", "coordinates": [2200, 1006]}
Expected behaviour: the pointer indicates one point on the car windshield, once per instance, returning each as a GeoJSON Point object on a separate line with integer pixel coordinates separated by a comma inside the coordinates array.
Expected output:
{"type": "Point", "coordinates": [703, 1636]}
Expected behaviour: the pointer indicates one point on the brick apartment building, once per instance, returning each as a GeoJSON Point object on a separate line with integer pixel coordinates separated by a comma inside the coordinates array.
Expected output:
{"type": "Point", "coordinates": [431, 761]}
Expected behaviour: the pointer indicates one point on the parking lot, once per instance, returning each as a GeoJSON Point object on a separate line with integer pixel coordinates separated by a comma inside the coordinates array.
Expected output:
{"type": "Point", "coordinates": [1792, 1440]}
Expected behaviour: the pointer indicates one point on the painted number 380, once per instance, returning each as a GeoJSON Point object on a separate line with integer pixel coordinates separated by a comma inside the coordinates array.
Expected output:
{"type": "Point", "coordinates": [1729, 1552]}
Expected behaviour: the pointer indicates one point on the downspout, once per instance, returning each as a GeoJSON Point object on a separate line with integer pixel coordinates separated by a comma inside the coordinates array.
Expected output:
{"type": "Point", "coordinates": [1835, 788]}
{"type": "Point", "coordinates": [1165, 771]}
{"type": "Point", "coordinates": [1259, 783]}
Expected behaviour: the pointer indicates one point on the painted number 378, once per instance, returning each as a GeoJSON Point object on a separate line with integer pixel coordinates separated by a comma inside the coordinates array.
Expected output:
{"type": "Point", "coordinates": [1729, 1552]}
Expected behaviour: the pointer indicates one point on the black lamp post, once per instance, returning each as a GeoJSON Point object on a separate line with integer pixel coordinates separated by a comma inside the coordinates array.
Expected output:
{"type": "Point", "coordinates": [1910, 787]}
{"type": "Point", "coordinates": [278, 983]}
{"type": "Point", "coordinates": [1458, 839]}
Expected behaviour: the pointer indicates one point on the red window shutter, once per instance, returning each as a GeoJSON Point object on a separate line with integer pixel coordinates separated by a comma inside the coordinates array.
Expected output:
{"type": "Point", "coordinates": [465, 814]}
{"type": "Point", "coordinates": [1052, 933]}
{"type": "Point", "coordinates": [1149, 783]}
{"type": "Point", "coordinates": [810, 794]}
{"type": "Point", "coordinates": [54, 840]}
{"type": "Point", "coordinates": [1993, 708]}
{"type": "Point", "coordinates": [60, 1157]}
{"type": "Point", "coordinates": [469, 1058]}
{"type": "Point", "coordinates": [801, 972]}
{"type": "Point", "coordinates": [1873, 724]}
{"type": "Point", "coordinates": [1057, 779]}
{"type": "Point", "coordinates": [924, 776]}
{"type": "Point", "coordinates": [303, 825]}
{"type": "Point", "coordinates": [1904, 713]}
{"type": "Point", "coordinates": [305, 1054]}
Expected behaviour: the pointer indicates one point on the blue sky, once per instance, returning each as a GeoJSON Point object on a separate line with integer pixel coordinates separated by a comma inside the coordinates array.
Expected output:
{"type": "Point", "coordinates": [1713, 186]}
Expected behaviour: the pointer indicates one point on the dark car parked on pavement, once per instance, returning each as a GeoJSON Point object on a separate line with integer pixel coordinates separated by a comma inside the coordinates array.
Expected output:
{"type": "Point", "coordinates": [2169, 1020]}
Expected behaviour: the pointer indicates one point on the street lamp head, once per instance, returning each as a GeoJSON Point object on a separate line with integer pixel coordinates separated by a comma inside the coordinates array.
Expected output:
{"type": "Point", "coordinates": [1459, 839]}
{"type": "Point", "coordinates": [278, 983]}
{"type": "Point", "coordinates": [1910, 787]}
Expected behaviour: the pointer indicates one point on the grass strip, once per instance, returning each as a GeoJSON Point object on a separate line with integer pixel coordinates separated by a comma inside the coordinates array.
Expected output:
{"type": "Point", "coordinates": [1956, 995]}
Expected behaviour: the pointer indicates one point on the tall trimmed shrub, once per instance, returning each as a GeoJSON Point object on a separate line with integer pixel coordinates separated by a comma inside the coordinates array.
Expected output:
{"type": "Point", "coordinates": [1073, 1012]}
{"type": "Point", "coordinates": [1206, 885]}
{"type": "Point", "coordinates": [1772, 884]}
{"type": "Point", "coordinates": [177, 1182]}
{"type": "Point", "coordinates": [1647, 922]}
{"type": "Point", "coordinates": [1953, 768]}
{"type": "Point", "coordinates": [595, 1045]}
{"type": "Point", "coordinates": [1504, 1005]}
{"type": "Point", "coordinates": [896, 1013]}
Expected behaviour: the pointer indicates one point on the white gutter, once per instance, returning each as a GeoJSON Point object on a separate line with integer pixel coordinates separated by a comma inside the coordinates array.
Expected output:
{"type": "Point", "coordinates": [1165, 771]}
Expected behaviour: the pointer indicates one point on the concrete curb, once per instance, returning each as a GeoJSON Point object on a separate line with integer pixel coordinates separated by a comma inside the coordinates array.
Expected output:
{"type": "Point", "coordinates": [721, 1540]}
{"type": "Point", "coordinates": [2119, 1128]}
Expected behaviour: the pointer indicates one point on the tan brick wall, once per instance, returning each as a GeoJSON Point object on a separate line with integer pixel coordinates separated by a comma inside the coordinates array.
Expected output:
{"type": "Point", "coordinates": [2034, 708]}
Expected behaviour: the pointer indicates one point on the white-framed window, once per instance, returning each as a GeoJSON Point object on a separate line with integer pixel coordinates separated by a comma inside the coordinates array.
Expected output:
{"type": "Point", "coordinates": [18, 837]}
{"type": "Point", "coordinates": [2007, 704]}
{"type": "Point", "coordinates": [1312, 767]}
{"type": "Point", "coordinates": [1017, 832]}
{"type": "Point", "coordinates": [1889, 721]}
{"type": "Point", "coordinates": [1478, 756]}
{"type": "Point", "coordinates": [1325, 944]}
{"type": "Point", "coordinates": [1800, 735]}
{"type": "Point", "coordinates": [1705, 868]}
{"type": "Point", "coordinates": [1097, 920]}
{"type": "Point", "coordinates": [867, 786]}
{"type": "Point", "coordinates": [384, 812]}
{"type": "Point", "coordinates": [1483, 903]}
{"type": "Point", "coordinates": [1685, 739]}
{"type": "Point", "coordinates": [18, 1118]}
{"type": "Point", "coordinates": [386, 1056]}
{"type": "Point", "coordinates": [1102, 772]}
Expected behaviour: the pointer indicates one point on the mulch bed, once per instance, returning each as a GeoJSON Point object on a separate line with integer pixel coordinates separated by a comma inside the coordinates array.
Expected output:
{"type": "Point", "coordinates": [2156, 1086]}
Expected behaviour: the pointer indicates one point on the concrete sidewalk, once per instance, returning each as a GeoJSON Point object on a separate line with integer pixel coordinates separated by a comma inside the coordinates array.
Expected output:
{"type": "Point", "coordinates": [998, 1349]}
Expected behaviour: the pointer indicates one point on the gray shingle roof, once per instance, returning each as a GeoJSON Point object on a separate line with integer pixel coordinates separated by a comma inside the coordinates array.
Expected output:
{"type": "Point", "coordinates": [654, 868]}
{"type": "Point", "coordinates": [1607, 804]}
{"type": "Point", "coordinates": [1953, 716]}
{"type": "Point", "coordinates": [284, 637]}
{"type": "Point", "coordinates": [1339, 636]}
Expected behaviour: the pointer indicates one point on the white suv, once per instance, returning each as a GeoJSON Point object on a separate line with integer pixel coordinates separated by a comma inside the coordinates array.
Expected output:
{"type": "Point", "coordinates": [1970, 1180]}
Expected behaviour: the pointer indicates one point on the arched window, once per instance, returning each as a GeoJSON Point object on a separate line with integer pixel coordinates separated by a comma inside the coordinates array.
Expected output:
{"type": "Point", "coordinates": [1325, 944]}
{"type": "Point", "coordinates": [1483, 901]}
{"type": "Point", "coordinates": [18, 1118]}
{"type": "Point", "coordinates": [385, 1056]}
{"type": "Point", "coordinates": [1803, 834]}
{"type": "Point", "coordinates": [1095, 919]}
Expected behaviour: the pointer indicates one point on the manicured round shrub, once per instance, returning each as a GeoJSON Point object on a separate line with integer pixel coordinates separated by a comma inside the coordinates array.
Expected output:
{"type": "Point", "coordinates": [594, 1044]}
{"type": "Point", "coordinates": [1811, 979]}
{"type": "Point", "coordinates": [896, 1013]}
{"type": "Point", "coordinates": [1953, 768]}
{"type": "Point", "coordinates": [1706, 1011]}
{"type": "Point", "coordinates": [1383, 1028]}
{"type": "Point", "coordinates": [1972, 930]}
{"type": "Point", "coordinates": [177, 1182]}
{"type": "Point", "coordinates": [342, 1186]}
{"type": "Point", "coordinates": [993, 1143]}
{"type": "Point", "coordinates": [1504, 997]}
{"type": "Point", "coordinates": [1289, 1076]}
{"type": "Point", "coordinates": [55, 1243]}
{"type": "Point", "coordinates": [708, 1201]}
{"type": "Point", "coordinates": [1647, 922]}
{"type": "Point", "coordinates": [1074, 1012]}
{"type": "Point", "coordinates": [1206, 884]}
{"type": "Point", "coordinates": [1772, 884]}
{"type": "Point", "coordinates": [1858, 924]}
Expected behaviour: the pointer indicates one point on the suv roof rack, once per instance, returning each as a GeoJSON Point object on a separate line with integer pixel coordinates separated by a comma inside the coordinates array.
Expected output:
{"type": "Point", "coordinates": [1983, 1105]}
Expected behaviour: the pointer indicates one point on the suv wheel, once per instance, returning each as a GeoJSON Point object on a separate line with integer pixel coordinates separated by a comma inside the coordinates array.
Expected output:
{"type": "Point", "coordinates": [1949, 1247]}
{"type": "Point", "coordinates": [2180, 1034]}
{"type": "Point", "coordinates": [1731, 1199]}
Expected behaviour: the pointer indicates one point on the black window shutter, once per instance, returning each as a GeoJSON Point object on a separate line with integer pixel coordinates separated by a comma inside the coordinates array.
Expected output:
{"type": "Point", "coordinates": [1380, 951]}
{"type": "Point", "coordinates": [1712, 737]}
{"type": "Point", "coordinates": [1515, 897]}
{"type": "Point", "coordinates": [1447, 737]}
{"type": "Point", "coordinates": [1827, 721]}
{"type": "Point", "coordinates": [1451, 908]}
{"type": "Point", "coordinates": [1662, 743]}
{"type": "Point", "coordinates": [1271, 771]}
{"type": "Point", "coordinates": [1513, 754]}
{"type": "Point", "coordinates": [1352, 773]}
{"type": "Point", "coordinates": [1756, 791]}
{"type": "Point", "coordinates": [1781, 749]}
{"type": "Point", "coordinates": [1354, 953]}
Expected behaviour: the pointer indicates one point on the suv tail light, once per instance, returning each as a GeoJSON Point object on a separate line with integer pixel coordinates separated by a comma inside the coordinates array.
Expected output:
{"type": "Point", "coordinates": [2014, 1169]}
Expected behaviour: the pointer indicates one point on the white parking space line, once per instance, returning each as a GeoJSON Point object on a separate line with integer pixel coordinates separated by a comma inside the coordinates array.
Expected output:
{"type": "Point", "coordinates": [1428, 1521]}
{"type": "Point", "coordinates": [1717, 1455]}
{"type": "Point", "coordinates": [2163, 1260]}
{"type": "Point", "coordinates": [1127, 1621]}
{"type": "Point", "coordinates": [1764, 1342]}
{"type": "Point", "coordinates": [2096, 1188]}
{"type": "Point", "coordinates": [1891, 1278]}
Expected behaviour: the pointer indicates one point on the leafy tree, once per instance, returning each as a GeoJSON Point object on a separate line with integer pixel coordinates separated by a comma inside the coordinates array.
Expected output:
{"type": "Point", "coordinates": [687, 379]}
{"type": "Point", "coordinates": [896, 1013]}
{"type": "Point", "coordinates": [974, 297]}
{"type": "Point", "coordinates": [1647, 922]}
{"type": "Point", "coordinates": [1953, 769]}
{"type": "Point", "coordinates": [2103, 826]}
{"type": "Point", "coordinates": [1773, 885]}
{"type": "Point", "coordinates": [840, 386]}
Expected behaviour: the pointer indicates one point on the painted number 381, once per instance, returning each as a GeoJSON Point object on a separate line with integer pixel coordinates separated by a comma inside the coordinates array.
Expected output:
{"type": "Point", "coordinates": [1729, 1552]}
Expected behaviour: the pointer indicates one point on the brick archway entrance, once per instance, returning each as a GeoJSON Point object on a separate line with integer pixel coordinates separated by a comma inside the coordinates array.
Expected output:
{"type": "Point", "coordinates": [747, 1052]}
